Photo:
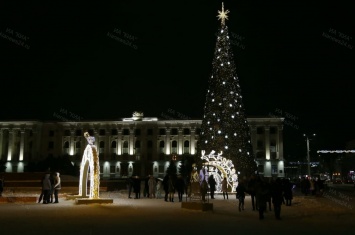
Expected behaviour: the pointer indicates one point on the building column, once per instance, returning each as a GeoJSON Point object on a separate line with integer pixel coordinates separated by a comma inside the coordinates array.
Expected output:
{"type": "Point", "coordinates": [192, 141]}
{"type": "Point", "coordinates": [167, 142]}
{"type": "Point", "coordinates": [107, 145]}
{"type": "Point", "coordinates": [71, 143]}
{"type": "Point", "coordinates": [267, 142]}
{"type": "Point", "coordinates": [11, 144]}
{"type": "Point", "coordinates": [180, 142]}
{"type": "Point", "coordinates": [267, 166]}
{"type": "Point", "coordinates": [119, 141]}
{"type": "Point", "coordinates": [280, 143]}
{"type": "Point", "coordinates": [22, 144]}
{"type": "Point", "coordinates": [131, 143]}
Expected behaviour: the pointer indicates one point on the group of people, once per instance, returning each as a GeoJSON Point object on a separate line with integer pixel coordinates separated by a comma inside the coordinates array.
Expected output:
{"type": "Point", "coordinates": [312, 187]}
{"type": "Point", "coordinates": [172, 184]}
{"type": "Point", "coordinates": [264, 193]}
{"type": "Point", "coordinates": [51, 184]}
{"type": "Point", "coordinates": [153, 187]}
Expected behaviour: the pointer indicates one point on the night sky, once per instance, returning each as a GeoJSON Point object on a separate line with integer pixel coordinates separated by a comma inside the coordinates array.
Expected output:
{"type": "Point", "coordinates": [106, 59]}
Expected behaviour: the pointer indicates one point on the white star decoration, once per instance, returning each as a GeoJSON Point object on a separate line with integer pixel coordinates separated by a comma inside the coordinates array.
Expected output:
{"type": "Point", "coordinates": [222, 15]}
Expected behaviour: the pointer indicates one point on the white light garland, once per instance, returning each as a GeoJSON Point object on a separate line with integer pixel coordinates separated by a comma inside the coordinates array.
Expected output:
{"type": "Point", "coordinates": [220, 167]}
{"type": "Point", "coordinates": [336, 151]}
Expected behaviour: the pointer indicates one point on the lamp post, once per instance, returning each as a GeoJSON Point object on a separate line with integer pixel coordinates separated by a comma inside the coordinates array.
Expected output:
{"type": "Point", "coordinates": [308, 158]}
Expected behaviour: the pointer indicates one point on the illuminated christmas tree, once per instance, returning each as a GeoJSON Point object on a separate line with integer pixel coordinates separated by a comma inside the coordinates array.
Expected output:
{"type": "Point", "coordinates": [224, 126]}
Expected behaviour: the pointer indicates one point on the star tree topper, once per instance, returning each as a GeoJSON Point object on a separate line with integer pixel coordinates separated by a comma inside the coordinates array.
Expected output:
{"type": "Point", "coordinates": [222, 15]}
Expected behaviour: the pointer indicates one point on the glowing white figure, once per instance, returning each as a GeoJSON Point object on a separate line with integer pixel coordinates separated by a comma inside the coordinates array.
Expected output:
{"type": "Point", "coordinates": [90, 165]}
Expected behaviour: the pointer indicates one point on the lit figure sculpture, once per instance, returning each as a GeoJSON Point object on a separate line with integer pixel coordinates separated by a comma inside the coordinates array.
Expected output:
{"type": "Point", "coordinates": [90, 164]}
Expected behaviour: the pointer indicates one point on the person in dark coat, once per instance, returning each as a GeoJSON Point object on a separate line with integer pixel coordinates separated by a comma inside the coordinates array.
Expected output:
{"type": "Point", "coordinates": [241, 194]}
{"type": "Point", "coordinates": [268, 196]}
{"type": "Point", "coordinates": [262, 191]}
{"type": "Point", "coordinates": [212, 184]}
{"type": "Point", "coordinates": [146, 186]}
{"type": "Point", "coordinates": [224, 188]}
{"type": "Point", "coordinates": [180, 187]}
{"type": "Point", "coordinates": [252, 191]}
{"type": "Point", "coordinates": [137, 186]}
{"type": "Point", "coordinates": [166, 187]}
{"type": "Point", "coordinates": [171, 187]}
{"type": "Point", "coordinates": [277, 197]}
{"type": "Point", "coordinates": [203, 190]}
{"type": "Point", "coordinates": [51, 191]}
{"type": "Point", "coordinates": [129, 183]}
{"type": "Point", "coordinates": [288, 195]}
{"type": "Point", "coordinates": [46, 188]}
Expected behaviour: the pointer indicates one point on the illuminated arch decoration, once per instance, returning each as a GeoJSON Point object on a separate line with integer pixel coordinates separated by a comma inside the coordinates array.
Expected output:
{"type": "Point", "coordinates": [336, 151]}
{"type": "Point", "coordinates": [220, 167]}
{"type": "Point", "coordinates": [90, 167]}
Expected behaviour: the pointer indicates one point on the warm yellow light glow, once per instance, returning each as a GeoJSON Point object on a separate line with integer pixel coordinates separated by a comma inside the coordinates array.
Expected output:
{"type": "Point", "coordinates": [90, 165]}
{"type": "Point", "coordinates": [222, 15]}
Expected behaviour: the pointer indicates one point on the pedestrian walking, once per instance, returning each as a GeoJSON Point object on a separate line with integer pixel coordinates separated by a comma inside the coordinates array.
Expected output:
{"type": "Point", "coordinates": [137, 187]}
{"type": "Point", "coordinates": [57, 186]}
{"type": "Point", "coordinates": [129, 183]}
{"type": "Point", "coordinates": [262, 192]}
{"type": "Point", "coordinates": [46, 188]}
{"type": "Point", "coordinates": [159, 186]}
{"type": "Point", "coordinates": [288, 194]}
{"type": "Point", "coordinates": [152, 183]}
{"type": "Point", "coordinates": [180, 187]}
{"type": "Point", "coordinates": [203, 190]}
{"type": "Point", "coordinates": [252, 191]}
{"type": "Point", "coordinates": [241, 194]}
{"type": "Point", "coordinates": [212, 184]}
{"type": "Point", "coordinates": [171, 188]}
{"type": "Point", "coordinates": [224, 188]}
{"type": "Point", "coordinates": [277, 197]}
{"type": "Point", "coordinates": [166, 187]}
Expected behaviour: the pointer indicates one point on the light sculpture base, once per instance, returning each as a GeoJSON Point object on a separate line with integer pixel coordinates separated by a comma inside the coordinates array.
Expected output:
{"type": "Point", "coordinates": [87, 201]}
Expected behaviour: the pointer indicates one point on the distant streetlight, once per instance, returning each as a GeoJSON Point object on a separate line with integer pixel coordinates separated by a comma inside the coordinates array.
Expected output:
{"type": "Point", "coordinates": [308, 158]}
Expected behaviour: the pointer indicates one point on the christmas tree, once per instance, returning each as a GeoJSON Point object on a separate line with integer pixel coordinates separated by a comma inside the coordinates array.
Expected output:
{"type": "Point", "coordinates": [224, 126]}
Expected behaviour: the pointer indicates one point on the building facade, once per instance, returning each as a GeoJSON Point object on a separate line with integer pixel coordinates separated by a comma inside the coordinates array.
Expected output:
{"type": "Point", "coordinates": [136, 145]}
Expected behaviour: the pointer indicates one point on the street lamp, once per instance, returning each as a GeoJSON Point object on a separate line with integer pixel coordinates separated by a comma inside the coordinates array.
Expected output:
{"type": "Point", "coordinates": [308, 158]}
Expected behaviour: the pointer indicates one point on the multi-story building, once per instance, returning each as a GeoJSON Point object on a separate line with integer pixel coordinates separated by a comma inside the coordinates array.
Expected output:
{"type": "Point", "coordinates": [137, 145]}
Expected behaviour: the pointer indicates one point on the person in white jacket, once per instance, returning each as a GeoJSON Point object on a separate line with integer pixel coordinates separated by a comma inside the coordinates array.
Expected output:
{"type": "Point", "coordinates": [57, 187]}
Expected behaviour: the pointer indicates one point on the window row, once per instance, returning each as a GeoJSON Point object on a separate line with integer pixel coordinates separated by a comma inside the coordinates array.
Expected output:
{"type": "Point", "coordinates": [137, 132]}
{"type": "Point", "coordinates": [137, 146]}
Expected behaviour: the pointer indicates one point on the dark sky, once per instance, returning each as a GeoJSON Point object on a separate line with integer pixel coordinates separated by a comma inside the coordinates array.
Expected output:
{"type": "Point", "coordinates": [106, 59]}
